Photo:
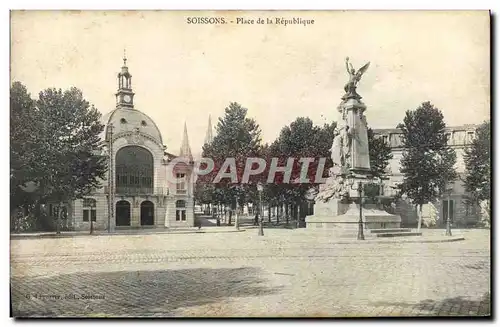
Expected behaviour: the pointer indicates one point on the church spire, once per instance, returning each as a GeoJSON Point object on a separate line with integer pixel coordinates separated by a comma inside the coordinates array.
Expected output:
{"type": "Point", "coordinates": [125, 95]}
{"type": "Point", "coordinates": [209, 136]}
{"type": "Point", "coordinates": [185, 148]}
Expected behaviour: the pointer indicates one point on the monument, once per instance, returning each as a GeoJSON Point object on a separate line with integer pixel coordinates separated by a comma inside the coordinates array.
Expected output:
{"type": "Point", "coordinates": [337, 202]}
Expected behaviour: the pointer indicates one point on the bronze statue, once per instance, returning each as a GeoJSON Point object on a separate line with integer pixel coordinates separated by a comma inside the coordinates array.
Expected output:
{"type": "Point", "coordinates": [354, 76]}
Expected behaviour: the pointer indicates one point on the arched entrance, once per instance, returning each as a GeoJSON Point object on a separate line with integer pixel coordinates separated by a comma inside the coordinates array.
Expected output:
{"type": "Point", "coordinates": [122, 213]}
{"type": "Point", "coordinates": [147, 213]}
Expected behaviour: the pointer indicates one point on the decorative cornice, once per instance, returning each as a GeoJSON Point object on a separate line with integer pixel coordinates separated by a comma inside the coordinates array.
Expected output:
{"type": "Point", "coordinates": [141, 134]}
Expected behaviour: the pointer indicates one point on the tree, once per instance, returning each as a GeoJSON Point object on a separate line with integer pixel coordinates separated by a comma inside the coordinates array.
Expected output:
{"type": "Point", "coordinates": [477, 160]}
{"type": "Point", "coordinates": [25, 169]}
{"type": "Point", "coordinates": [428, 162]}
{"type": "Point", "coordinates": [203, 193]}
{"type": "Point", "coordinates": [301, 139]}
{"type": "Point", "coordinates": [70, 130]}
{"type": "Point", "coordinates": [238, 137]}
{"type": "Point", "coordinates": [24, 147]}
{"type": "Point", "coordinates": [380, 154]}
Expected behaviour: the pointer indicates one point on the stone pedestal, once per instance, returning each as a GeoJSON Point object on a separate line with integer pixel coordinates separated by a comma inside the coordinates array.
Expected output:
{"type": "Point", "coordinates": [332, 208]}
{"type": "Point", "coordinates": [342, 219]}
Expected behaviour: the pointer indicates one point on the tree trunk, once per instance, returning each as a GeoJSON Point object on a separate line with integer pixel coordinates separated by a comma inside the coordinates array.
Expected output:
{"type": "Point", "coordinates": [419, 213]}
{"type": "Point", "coordinates": [269, 213]}
{"type": "Point", "coordinates": [297, 215]}
{"type": "Point", "coordinates": [230, 216]}
{"type": "Point", "coordinates": [278, 213]}
{"type": "Point", "coordinates": [38, 215]}
{"type": "Point", "coordinates": [286, 213]}
{"type": "Point", "coordinates": [58, 221]}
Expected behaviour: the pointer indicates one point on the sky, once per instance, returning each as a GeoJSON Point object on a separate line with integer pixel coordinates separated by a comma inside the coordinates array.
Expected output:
{"type": "Point", "coordinates": [184, 72]}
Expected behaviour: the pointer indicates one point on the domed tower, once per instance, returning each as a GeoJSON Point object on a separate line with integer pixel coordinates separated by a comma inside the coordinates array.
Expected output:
{"type": "Point", "coordinates": [124, 96]}
{"type": "Point", "coordinates": [135, 192]}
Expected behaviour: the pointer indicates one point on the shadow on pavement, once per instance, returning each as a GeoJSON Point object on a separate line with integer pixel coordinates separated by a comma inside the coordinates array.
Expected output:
{"type": "Point", "coordinates": [455, 306]}
{"type": "Point", "coordinates": [133, 293]}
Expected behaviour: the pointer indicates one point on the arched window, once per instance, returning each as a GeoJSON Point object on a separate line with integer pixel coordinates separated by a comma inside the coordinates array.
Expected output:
{"type": "Point", "coordinates": [180, 210]}
{"type": "Point", "coordinates": [134, 170]}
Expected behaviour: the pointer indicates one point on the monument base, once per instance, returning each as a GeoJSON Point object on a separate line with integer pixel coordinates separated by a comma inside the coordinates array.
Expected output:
{"type": "Point", "coordinates": [343, 219]}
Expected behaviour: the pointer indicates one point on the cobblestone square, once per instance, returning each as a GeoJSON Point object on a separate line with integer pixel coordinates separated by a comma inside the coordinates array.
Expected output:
{"type": "Point", "coordinates": [284, 273]}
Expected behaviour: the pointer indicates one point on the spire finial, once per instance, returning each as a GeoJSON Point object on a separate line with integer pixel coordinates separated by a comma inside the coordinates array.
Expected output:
{"type": "Point", "coordinates": [209, 136]}
{"type": "Point", "coordinates": [124, 57]}
{"type": "Point", "coordinates": [185, 148]}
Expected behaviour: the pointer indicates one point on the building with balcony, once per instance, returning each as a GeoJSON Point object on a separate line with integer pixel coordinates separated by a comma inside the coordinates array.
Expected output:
{"type": "Point", "coordinates": [453, 202]}
{"type": "Point", "coordinates": [138, 192]}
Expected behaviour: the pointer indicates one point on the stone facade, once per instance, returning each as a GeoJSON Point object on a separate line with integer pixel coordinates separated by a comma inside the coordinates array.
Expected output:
{"type": "Point", "coordinates": [433, 214]}
{"type": "Point", "coordinates": [149, 199]}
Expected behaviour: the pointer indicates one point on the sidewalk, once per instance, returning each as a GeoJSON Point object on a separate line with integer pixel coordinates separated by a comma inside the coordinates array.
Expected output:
{"type": "Point", "coordinates": [136, 231]}
{"type": "Point", "coordinates": [311, 236]}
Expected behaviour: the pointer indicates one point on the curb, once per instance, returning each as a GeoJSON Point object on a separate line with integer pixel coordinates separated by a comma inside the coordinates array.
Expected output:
{"type": "Point", "coordinates": [446, 240]}
{"type": "Point", "coordinates": [21, 236]}
{"type": "Point", "coordinates": [375, 241]}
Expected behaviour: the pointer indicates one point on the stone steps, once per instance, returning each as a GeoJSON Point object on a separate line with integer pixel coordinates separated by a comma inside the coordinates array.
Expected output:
{"type": "Point", "coordinates": [399, 234]}
{"type": "Point", "coordinates": [390, 230]}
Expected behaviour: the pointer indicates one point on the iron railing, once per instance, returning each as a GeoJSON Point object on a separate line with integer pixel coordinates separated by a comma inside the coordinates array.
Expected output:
{"type": "Point", "coordinates": [127, 190]}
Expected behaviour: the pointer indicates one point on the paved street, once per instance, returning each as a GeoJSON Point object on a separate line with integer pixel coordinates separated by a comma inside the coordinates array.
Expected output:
{"type": "Point", "coordinates": [284, 273]}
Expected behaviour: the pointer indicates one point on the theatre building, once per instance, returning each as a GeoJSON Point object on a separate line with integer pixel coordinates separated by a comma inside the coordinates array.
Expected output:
{"type": "Point", "coordinates": [140, 196]}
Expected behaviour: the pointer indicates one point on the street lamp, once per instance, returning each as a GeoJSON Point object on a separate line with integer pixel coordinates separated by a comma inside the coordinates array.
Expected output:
{"type": "Point", "coordinates": [359, 188]}
{"type": "Point", "coordinates": [361, 235]}
{"type": "Point", "coordinates": [260, 188]}
{"type": "Point", "coordinates": [448, 223]}
{"type": "Point", "coordinates": [448, 227]}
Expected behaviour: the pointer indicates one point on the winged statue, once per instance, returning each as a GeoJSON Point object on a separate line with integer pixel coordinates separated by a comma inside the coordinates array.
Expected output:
{"type": "Point", "coordinates": [354, 76]}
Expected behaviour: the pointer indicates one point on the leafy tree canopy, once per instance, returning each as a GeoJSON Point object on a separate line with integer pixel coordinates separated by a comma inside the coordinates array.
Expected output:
{"type": "Point", "coordinates": [428, 161]}
{"type": "Point", "coordinates": [55, 144]}
{"type": "Point", "coordinates": [238, 137]}
{"type": "Point", "coordinates": [70, 130]}
{"type": "Point", "coordinates": [478, 164]}
{"type": "Point", "coordinates": [380, 154]}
